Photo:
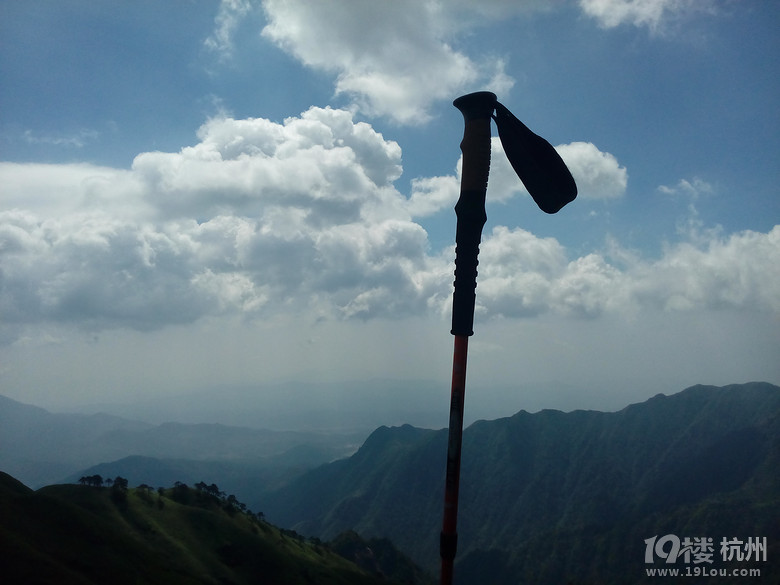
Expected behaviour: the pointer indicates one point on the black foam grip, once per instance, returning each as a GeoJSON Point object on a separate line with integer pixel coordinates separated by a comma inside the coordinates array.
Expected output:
{"type": "Point", "coordinates": [471, 214]}
{"type": "Point", "coordinates": [477, 109]}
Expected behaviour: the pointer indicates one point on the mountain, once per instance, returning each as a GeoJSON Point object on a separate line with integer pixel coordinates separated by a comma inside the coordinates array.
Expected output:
{"type": "Point", "coordinates": [340, 407]}
{"type": "Point", "coordinates": [40, 447]}
{"type": "Point", "coordinates": [86, 535]}
{"type": "Point", "coordinates": [553, 497]}
{"type": "Point", "coordinates": [347, 406]}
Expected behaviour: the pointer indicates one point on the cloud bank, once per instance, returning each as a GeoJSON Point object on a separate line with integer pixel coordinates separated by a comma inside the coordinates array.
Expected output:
{"type": "Point", "coordinates": [522, 275]}
{"type": "Point", "coordinates": [303, 217]}
{"type": "Point", "coordinates": [299, 214]}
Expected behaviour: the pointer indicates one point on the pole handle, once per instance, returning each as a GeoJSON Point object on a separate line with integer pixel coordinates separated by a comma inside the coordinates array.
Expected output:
{"type": "Point", "coordinates": [477, 109]}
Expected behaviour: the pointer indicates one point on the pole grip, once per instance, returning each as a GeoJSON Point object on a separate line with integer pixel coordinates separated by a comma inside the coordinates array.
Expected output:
{"type": "Point", "coordinates": [477, 109]}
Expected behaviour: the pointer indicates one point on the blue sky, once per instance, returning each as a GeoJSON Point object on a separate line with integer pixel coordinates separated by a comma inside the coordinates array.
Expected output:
{"type": "Point", "coordinates": [195, 194]}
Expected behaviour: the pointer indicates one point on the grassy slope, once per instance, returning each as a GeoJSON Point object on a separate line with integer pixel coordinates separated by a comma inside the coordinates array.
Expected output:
{"type": "Point", "coordinates": [69, 534]}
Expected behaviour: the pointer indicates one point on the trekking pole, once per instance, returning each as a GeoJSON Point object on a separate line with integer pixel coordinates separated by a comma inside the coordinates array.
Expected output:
{"type": "Point", "coordinates": [551, 185]}
{"type": "Point", "coordinates": [477, 108]}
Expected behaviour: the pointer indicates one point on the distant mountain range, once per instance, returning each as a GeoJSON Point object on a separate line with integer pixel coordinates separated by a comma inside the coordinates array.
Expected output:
{"type": "Point", "coordinates": [556, 497]}
{"type": "Point", "coordinates": [339, 407]}
{"type": "Point", "coordinates": [86, 535]}
{"type": "Point", "coordinates": [346, 406]}
{"type": "Point", "coordinates": [39, 447]}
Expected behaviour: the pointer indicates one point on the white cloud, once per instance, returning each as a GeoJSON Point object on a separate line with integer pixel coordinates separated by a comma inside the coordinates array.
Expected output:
{"type": "Point", "coordinates": [739, 271]}
{"type": "Point", "coordinates": [302, 217]}
{"type": "Point", "coordinates": [516, 272]}
{"type": "Point", "coordinates": [60, 190]}
{"type": "Point", "coordinates": [393, 58]}
{"type": "Point", "coordinates": [322, 162]}
{"type": "Point", "coordinates": [256, 217]}
{"type": "Point", "coordinates": [693, 188]}
{"type": "Point", "coordinates": [649, 13]}
{"type": "Point", "coordinates": [598, 174]}
{"type": "Point", "coordinates": [229, 16]}
{"type": "Point", "coordinates": [76, 140]}
{"type": "Point", "coordinates": [522, 275]}
{"type": "Point", "coordinates": [432, 194]}
{"type": "Point", "coordinates": [232, 290]}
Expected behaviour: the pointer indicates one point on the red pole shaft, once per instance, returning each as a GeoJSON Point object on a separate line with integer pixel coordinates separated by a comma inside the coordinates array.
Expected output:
{"type": "Point", "coordinates": [449, 534]}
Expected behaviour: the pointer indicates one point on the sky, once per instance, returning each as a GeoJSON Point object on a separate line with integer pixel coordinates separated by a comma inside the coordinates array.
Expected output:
{"type": "Point", "coordinates": [198, 195]}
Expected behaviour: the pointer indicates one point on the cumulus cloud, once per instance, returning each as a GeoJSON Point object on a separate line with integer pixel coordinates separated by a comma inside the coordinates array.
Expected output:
{"type": "Point", "coordinates": [302, 217]}
{"type": "Point", "coordinates": [522, 275]}
{"type": "Point", "coordinates": [432, 194]}
{"type": "Point", "coordinates": [94, 269]}
{"type": "Point", "coordinates": [648, 13]}
{"type": "Point", "coordinates": [329, 167]}
{"type": "Point", "coordinates": [598, 174]}
{"type": "Point", "coordinates": [738, 271]}
{"type": "Point", "coordinates": [393, 59]}
{"type": "Point", "coordinates": [257, 215]}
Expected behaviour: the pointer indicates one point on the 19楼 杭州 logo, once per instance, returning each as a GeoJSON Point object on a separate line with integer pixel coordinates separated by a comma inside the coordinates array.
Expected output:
{"type": "Point", "coordinates": [699, 553]}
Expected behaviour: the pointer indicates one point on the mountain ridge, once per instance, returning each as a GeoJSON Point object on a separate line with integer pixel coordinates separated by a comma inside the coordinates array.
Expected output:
{"type": "Point", "coordinates": [575, 477]}
{"type": "Point", "coordinates": [41, 447]}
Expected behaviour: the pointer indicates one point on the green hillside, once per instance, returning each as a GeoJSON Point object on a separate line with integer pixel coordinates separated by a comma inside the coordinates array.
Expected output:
{"type": "Point", "coordinates": [86, 535]}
